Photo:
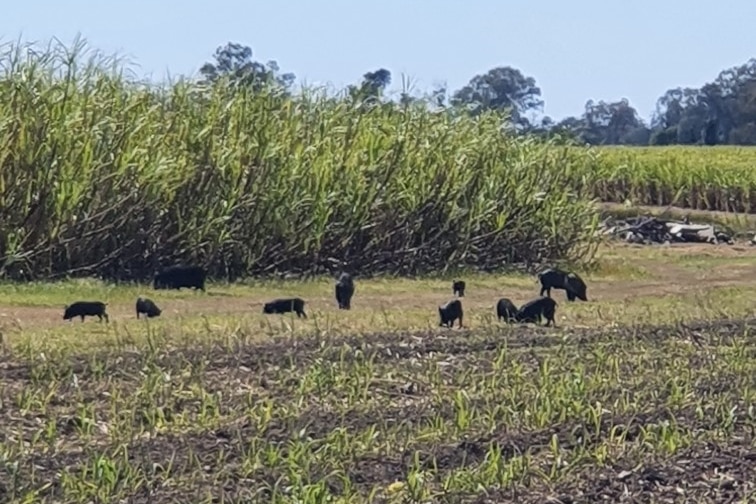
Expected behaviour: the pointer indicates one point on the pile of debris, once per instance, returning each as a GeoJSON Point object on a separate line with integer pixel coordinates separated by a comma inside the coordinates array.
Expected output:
{"type": "Point", "coordinates": [648, 229]}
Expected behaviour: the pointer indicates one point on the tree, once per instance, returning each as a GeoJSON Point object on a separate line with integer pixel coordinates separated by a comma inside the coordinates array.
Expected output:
{"type": "Point", "coordinates": [372, 86]}
{"type": "Point", "coordinates": [717, 113]}
{"type": "Point", "coordinates": [669, 109]}
{"type": "Point", "coordinates": [235, 62]}
{"type": "Point", "coordinates": [666, 136]}
{"type": "Point", "coordinates": [606, 123]}
{"type": "Point", "coordinates": [543, 128]}
{"type": "Point", "coordinates": [501, 88]}
{"type": "Point", "coordinates": [375, 83]}
{"type": "Point", "coordinates": [571, 127]}
{"type": "Point", "coordinates": [438, 96]}
{"type": "Point", "coordinates": [744, 132]}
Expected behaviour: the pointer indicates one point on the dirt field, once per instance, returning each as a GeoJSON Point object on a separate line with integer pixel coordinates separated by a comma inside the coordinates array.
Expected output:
{"type": "Point", "coordinates": [215, 402]}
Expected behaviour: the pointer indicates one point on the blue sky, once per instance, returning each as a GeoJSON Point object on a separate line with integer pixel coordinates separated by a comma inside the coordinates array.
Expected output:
{"type": "Point", "coordinates": [576, 50]}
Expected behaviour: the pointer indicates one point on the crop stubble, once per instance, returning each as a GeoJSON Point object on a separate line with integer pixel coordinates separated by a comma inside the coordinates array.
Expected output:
{"type": "Point", "coordinates": [638, 414]}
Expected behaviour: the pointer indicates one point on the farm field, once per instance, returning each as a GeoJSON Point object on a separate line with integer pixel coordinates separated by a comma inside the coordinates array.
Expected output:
{"type": "Point", "coordinates": [643, 394]}
{"type": "Point", "coordinates": [718, 178]}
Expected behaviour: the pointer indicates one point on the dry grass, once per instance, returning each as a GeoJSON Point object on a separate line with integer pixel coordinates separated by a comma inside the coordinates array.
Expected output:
{"type": "Point", "coordinates": [378, 404]}
{"type": "Point", "coordinates": [630, 283]}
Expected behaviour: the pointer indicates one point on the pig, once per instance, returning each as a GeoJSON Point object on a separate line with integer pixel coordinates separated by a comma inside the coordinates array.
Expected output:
{"type": "Point", "coordinates": [458, 288]}
{"type": "Point", "coordinates": [506, 309]}
{"type": "Point", "coordinates": [86, 308]}
{"type": "Point", "coordinates": [176, 277]}
{"type": "Point", "coordinates": [148, 307]}
{"type": "Point", "coordinates": [344, 291]}
{"type": "Point", "coordinates": [536, 309]}
{"type": "Point", "coordinates": [450, 312]}
{"type": "Point", "coordinates": [286, 305]}
{"type": "Point", "coordinates": [571, 283]}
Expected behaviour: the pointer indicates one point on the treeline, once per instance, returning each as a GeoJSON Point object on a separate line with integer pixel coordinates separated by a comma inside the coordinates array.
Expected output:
{"type": "Point", "coordinates": [721, 112]}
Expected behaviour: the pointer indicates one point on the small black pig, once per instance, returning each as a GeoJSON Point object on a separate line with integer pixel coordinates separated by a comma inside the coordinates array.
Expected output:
{"type": "Point", "coordinates": [506, 309]}
{"type": "Point", "coordinates": [176, 277]}
{"type": "Point", "coordinates": [86, 309]}
{"type": "Point", "coordinates": [571, 283]}
{"type": "Point", "coordinates": [450, 312]}
{"type": "Point", "coordinates": [458, 288]}
{"type": "Point", "coordinates": [286, 306]}
{"type": "Point", "coordinates": [533, 311]}
{"type": "Point", "coordinates": [345, 291]}
{"type": "Point", "coordinates": [148, 307]}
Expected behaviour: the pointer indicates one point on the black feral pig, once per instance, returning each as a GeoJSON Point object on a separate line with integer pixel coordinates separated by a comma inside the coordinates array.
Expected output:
{"type": "Point", "coordinates": [458, 288]}
{"type": "Point", "coordinates": [148, 307]}
{"type": "Point", "coordinates": [571, 283]}
{"type": "Point", "coordinates": [506, 309]}
{"type": "Point", "coordinates": [286, 306]}
{"type": "Point", "coordinates": [541, 307]}
{"type": "Point", "coordinates": [86, 309]}
{"type": "Point", "coordinates": [450, 312]}
{"type": "Point", "coordinates": [176, 277]}
{"type": "Point", "coordinates": [345, 291]}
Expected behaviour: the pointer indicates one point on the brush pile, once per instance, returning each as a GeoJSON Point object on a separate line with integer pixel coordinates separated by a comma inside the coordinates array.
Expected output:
{"type": "Point", "coordinates": [648, 230]}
